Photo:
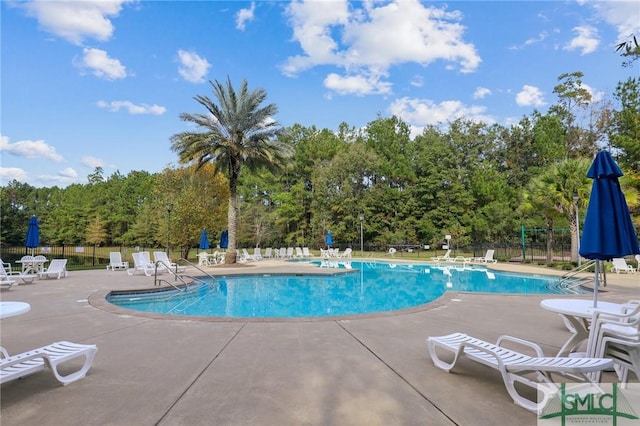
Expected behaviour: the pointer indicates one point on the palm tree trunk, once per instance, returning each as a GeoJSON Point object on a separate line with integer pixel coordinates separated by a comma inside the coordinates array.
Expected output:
{"type": "Point", "coordinates": [573, 228]}
{"type": "Point", "coordinates": [234, 173]}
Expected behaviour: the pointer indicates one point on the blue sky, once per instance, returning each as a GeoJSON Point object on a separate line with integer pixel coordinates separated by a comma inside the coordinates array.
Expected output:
{"type": "Point", "coordinates": [101, 83]}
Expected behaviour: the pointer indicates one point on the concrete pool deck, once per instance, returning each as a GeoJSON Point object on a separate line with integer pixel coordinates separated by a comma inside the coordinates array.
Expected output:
{"type": "Point", "coordinates": [373, 370]}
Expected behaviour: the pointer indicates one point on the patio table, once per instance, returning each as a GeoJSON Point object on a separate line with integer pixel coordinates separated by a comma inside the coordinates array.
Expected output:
{"type": "Point", "coordinates": [576, 314]}
{"type": "Point", "coordinates": [32, 266]}
{"type": "Point", "coordinates": [11, 309]}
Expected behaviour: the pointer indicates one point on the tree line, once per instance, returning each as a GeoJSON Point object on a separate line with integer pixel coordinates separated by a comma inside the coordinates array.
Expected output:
{"type": "Point", "coordinates": [478, 182]}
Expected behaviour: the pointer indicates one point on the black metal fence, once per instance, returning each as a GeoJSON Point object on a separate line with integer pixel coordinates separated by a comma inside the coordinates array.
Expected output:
{"type": "Point", "coordinates": [97, 257]}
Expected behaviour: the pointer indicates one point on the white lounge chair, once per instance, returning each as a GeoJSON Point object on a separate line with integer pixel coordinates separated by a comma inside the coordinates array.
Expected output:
{"type": "Point", "coordinates": [514, 366]}
{"type": "Point", "coordinates": [346, 253]}
{"type": "Point", "coordinates": [245, 256]}
{"type": "Point", "coordinates": [57, 268]}
{"type": "Point", "coordinates": [444, 258]}
{"type": "Point", "coordinates": [488, 257]}
{"type": "Point", "coordinates": [257, 255]}
{"type": "Point", "coordinates": [268, 253]}
{"type": "Point", "coordinates": [162, 260]}
{"type": "Point", "coordinates": [7, 275]}
{"type": "Point", "coordinates": [7, 283]}
{"type": "Point", "coordinates": [116, 263]}
{"type": "Point", "coordinates": [306, 252]}
{"type": "Point", "coordinates": [289, 253]}
{"type": "Point", "coordinates": [140, 264]}
{"type": "Point", "coordinates": [299, 253]}
{"type": "Point", "coordinates": [620, 265]}
{"type": "Point", "coordinates": [51, 356]}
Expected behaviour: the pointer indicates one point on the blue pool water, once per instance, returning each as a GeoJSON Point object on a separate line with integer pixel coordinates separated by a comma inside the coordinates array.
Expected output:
{"type": "Point", "coordinates": [367, 287]}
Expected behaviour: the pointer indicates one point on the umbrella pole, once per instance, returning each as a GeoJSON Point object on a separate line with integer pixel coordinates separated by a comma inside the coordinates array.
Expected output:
{"type": "Point", "coordinates": [595, 284]}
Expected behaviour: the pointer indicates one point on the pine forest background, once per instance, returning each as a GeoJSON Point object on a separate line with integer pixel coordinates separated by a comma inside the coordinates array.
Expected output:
{"type": "Point", "coordinates": [480, 183]}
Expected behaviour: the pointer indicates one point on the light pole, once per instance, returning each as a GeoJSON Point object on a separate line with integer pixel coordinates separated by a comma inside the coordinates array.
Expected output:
{"type": "Point", "coordinates": [361, 217]}
{"type": "Point", "coordinates": [575, 200]}
{"type": "Point", "coordinates": [169, 208]}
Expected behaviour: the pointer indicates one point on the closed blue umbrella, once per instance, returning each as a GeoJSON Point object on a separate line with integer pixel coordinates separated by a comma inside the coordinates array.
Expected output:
{"type": "Point", "coordinates": [329, 239]}
{"type": "Point", "coordinates": [33, 233]}
{"type": "Point", "coordinates": [607, 231]}
{"type": "Point", "coordinates": [224, 239]}
{"type": "Point", "coordinates": [204, 240]}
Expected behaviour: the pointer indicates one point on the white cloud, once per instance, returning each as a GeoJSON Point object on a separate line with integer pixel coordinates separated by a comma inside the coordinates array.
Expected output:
{"type": "Point", "coordinates": [596, 95]}
{"type": "Point", "coordinates": [356, 85]}
{"type": "Point", "coordinates": [30, 149]}
{"type": "Point", "coordinates": [424, 112]}
{"type": "Point", "coordinates": [101, 65]}
{"type": "Point", "coordinates": [192, 68]}
{"type": "Point", "coordinates": [132, 108]}
{"type": "Point", "coordinates": [375, 38]}
{"type": "Point", "coordinates": [92, 162]}
{"type": "Point", "coordinates": [531, 41]}
{"type": "Point", "coordinates": [623, 15]}
{"type": "Point", "coordinates": [417, 81]}
{"type": "Point", "coordinates": [245, 15]}
{"type": "Point", "coordinates": [62, 178]}
{"type": "Point", "coordinates": [530, 96]}
{"type": "Point", "coordinates": [75, 20]}
{"type": "Point", "coordinates": [481, 92]}
{"type": "Point", "coordinates": [8, 174]}
{"type": "Point", "coordinates": [586, 40]}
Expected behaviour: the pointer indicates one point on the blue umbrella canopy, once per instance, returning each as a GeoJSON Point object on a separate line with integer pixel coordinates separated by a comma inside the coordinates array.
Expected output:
{"type": "Point", "coordinates": [33, 233]}
{"type": "Point", "coordinates": [329, 238]}
{"type": "Point", "coordinates": [224, 239]}
{"type": "Point", "coordinates": [607, 231]}
{"type": "Point", "coordinates": [204, 240]}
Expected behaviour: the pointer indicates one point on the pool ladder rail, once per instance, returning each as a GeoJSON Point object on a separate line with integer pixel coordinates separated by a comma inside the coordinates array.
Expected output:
{"type": "Point", "coordinates": [571, 280]}
{"type": "Point", "coordinates": [173, 270]}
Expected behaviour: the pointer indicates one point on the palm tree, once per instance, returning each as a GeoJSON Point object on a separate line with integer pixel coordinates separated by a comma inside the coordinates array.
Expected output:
{"type": "Point", "coordinates": [238, 132]}
{"type": "Point", "coordinates": [558, 192]}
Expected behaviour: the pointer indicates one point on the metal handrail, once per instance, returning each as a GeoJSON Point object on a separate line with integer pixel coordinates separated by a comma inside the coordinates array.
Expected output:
{"type": "Point", "coordinates": [176, 275]}
{"type": "Point", "coordinates": [574, 272]}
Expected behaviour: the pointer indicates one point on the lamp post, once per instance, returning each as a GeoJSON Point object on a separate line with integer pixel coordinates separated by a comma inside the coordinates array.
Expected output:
{"type": "Point", "coordinates": [575, 200]}
{"type": "Point", "coordinates": [361, 217]}
{"type": "Point", "coordinates": [169, 208]}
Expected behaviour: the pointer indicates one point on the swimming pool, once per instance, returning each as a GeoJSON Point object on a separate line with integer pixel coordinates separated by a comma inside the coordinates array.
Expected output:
{"type": "Point", "coordinates": [364, 288]}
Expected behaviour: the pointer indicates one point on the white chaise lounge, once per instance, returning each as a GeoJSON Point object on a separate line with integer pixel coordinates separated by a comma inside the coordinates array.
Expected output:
{"type": "Point", "coordinates": [488, 257]}
{"type": "Point", "coordinates": [116, 262]}
{"type": "Point", "coordinates": [513, 366]}
{"type": "Point", "coordinates": [162, 260]}
{"type": "Point", "coordinates": [51, 356]}
{"type": "Point", "coordinates": [140, 264]}
{"type": "Point", "coordinates": [621, 265]}
{"type": "Point", "coordinates": [57, 268]}
{"type": "Point", "coordinates": [7, 275]}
